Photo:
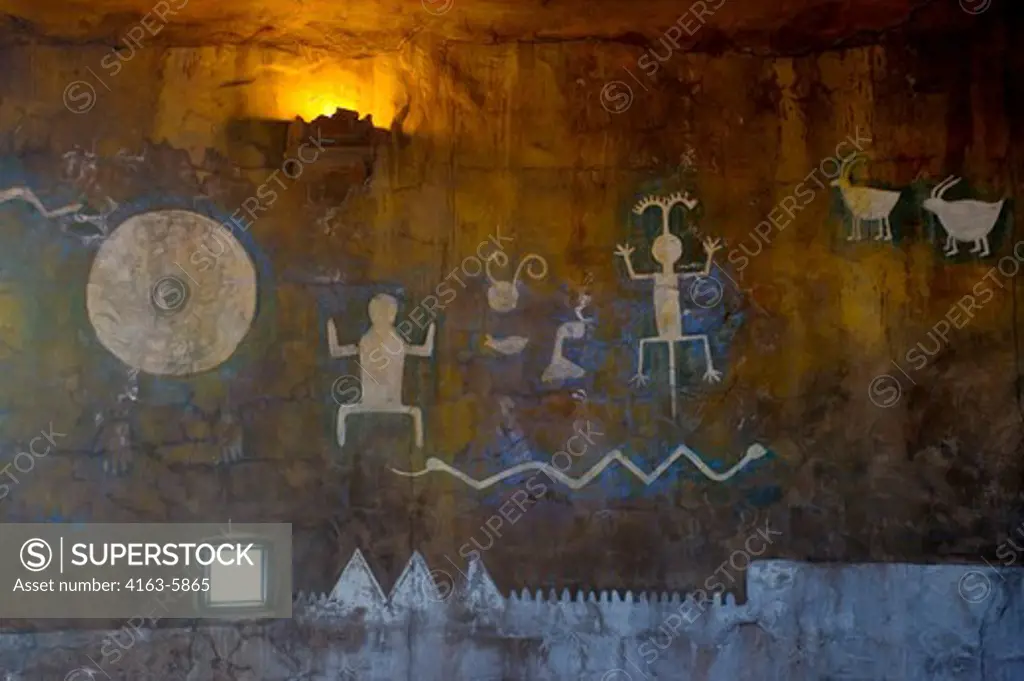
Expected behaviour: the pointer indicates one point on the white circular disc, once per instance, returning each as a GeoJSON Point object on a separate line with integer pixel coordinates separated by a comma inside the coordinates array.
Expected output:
{"type": "Point", "coordinates": [171, 292]}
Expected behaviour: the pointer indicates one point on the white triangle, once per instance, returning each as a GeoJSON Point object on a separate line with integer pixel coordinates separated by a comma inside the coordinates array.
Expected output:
{"type": "Point", "coordinates": [415, 588]}
{"type": "Point", "coordinates": [357, 587]}
{"type": "Point", "coordinates": [481, 591]}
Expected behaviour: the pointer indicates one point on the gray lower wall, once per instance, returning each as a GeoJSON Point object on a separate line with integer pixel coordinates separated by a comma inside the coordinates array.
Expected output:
{"type": "Point", "coordinates": [802, 622]}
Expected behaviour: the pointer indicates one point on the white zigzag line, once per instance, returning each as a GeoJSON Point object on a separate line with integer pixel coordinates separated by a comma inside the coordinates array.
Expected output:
{"type": "Point", "coordinates": [435, 465]}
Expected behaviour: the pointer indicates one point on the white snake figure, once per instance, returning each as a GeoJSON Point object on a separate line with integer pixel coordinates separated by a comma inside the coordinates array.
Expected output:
{"type": "Point", "coordinates": [25, 194]}
{"type": "Point", "coordinates": [435, 465]}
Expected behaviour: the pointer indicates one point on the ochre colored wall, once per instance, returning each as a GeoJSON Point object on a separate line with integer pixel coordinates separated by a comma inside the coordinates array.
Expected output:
{"type": "Point", "coordinates": [515, 135]}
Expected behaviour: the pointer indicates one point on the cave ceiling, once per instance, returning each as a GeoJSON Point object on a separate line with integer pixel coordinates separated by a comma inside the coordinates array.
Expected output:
{"type": "Point", "coordinates": [372, 26]}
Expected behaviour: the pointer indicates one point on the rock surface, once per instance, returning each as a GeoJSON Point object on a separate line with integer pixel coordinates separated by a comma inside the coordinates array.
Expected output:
{"type": "Point", "coordinates": [502, 115]}
{"type": "Point", "coordinates": [801, 623]}
{"type": "Point", "coordinates": [375, 25]}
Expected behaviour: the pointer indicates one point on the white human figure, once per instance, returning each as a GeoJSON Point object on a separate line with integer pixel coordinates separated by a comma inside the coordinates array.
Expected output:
{"type": "Point", "coordinates": [667, 250]}
{"type": "Point", "coordinates": [381, 382]}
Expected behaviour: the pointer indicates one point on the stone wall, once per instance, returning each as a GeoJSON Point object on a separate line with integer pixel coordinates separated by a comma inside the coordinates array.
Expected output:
{"type": "Point", "coordinates": [527, 140]}
{"type": "Point", "coordinates": [801, 622]}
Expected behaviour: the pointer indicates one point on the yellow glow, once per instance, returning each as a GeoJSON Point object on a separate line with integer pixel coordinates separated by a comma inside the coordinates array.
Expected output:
{"type": "Point", "coordinates": [322, 90]}
{"type": "Point", "coordinates": [310, 103]}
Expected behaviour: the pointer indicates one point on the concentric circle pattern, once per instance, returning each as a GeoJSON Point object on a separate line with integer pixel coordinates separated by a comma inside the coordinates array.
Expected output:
{"type": "Point", "coordinates": [171, 292]}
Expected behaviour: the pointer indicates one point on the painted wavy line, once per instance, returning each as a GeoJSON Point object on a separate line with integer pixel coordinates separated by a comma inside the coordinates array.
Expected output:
{"type": "Point", "coordinates": [434, 465]}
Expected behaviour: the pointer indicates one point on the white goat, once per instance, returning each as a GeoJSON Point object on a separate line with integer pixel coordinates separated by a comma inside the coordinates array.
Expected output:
{"type": "Point", "coordinates": [865, 203]}
{"type": "Point", "coordinates": [966, 220]}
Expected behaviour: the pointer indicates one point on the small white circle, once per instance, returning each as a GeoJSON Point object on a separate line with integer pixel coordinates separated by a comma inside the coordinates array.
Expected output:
{"type": "Point", "coordinates": [32, 555]}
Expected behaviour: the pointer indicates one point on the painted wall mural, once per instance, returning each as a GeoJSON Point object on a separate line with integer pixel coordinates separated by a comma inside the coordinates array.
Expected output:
{"type": "Point", "coordinates": [435, 465]}
{"type": "Point", "coordinates": [670, 315]}
{"type": "Point", "coordinates": [172, 293]}
{"type": "Point", "coordinates": [708, 309]}
{"type": "Point", "coordinates": [160, 316]}
{"type": "Point", "coordinates": [965, 221]}
{"type": "Point", "coordinates": [866, 204]}
{"type": "Point", "coordinates": [166, 304]}
{"type": "Point", "coordinates": [799, 621]}
{"type": "Point", "coordinates": [561, 368]}
{"type": "Point", "coordinates": [381, 377]}
{"type": "Point", "coordinates": [25, 194]}
{"type": "Point", "coordinates": [667, 251]}
{"type": "Point", "coordinates": [503, 297]}
{"type": "Point", "coordinates": [611, 375]}
{"type": "Point", "coordinates": [943, 221]}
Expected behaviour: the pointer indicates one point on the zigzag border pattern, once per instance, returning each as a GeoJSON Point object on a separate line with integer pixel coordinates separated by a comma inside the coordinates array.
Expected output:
{"type": "Point", "coordinates": [418, 588]}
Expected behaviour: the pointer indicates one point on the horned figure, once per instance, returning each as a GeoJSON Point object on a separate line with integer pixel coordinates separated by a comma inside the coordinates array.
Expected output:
{"type": "Point", "coordinates": [967, 220]}
{"type": "Point", "coordinates": [865, 203]}
{"type": "Point", "coordinates": [667, 251]}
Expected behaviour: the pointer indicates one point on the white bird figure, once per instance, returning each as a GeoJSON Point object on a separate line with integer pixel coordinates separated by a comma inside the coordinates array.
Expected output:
{"type": "Point", "coordinates": [512, 345]}
{"type": "Point", "coordinates": [865, 203]}
{"type": "Point", "coordinates": [966, 220]}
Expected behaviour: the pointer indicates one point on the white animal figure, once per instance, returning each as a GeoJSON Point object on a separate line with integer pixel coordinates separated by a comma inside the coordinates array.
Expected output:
{"type": "Point", "coordinates": [865, 203]}
{"type": "Point", "coordinates": [667, 251]}
{"type": "Point", "coordinates": [966, 220]}
{"type": "Point", "coordinates": [381, 383]}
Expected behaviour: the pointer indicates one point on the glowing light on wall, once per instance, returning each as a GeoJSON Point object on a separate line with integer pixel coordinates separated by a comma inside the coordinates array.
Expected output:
{"type": "Point", "coordinates": [320, 89]}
